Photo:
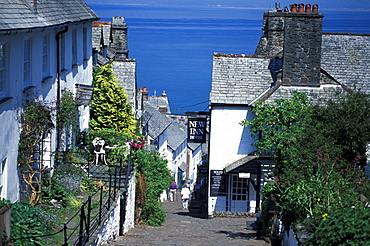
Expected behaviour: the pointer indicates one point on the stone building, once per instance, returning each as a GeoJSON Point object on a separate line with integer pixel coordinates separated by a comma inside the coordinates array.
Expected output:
{"type": "Point", "coordinates": [110, 44]}
{"type": "Point", "coordinates": [293, 55]}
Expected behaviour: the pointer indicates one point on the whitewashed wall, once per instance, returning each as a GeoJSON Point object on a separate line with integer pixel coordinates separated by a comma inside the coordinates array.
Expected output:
{"type": "Point", "coordinates": [229, 141]}
{"type": "Point", "coordinates": [110, 229]}
{"type": "Point", "coordinates": [42, 90]}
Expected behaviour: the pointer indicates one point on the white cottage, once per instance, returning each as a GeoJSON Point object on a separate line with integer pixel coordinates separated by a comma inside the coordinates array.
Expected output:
{"type": "Point", "coordinates": [293, 55]}
{"type": "Point", "coordinates": [45, 47]}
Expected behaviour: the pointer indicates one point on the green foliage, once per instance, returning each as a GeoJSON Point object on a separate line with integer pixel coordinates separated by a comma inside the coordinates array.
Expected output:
{"type": "Point", "coordinates": [319, 153]}
{"type": "Point", "coordinates": [348, 226]}
{"type": "Point", "coordinates": [281, 127]}
{"type": "Point", "coordinates": [342, 127]}
{"type": "Point", "coordinates": [157, 178]}
{"type": "Point", "coordinates": [28, 220]}
{"type": "Point", "coordinates": [35, 121]}
{"type": "Point", "coordinates": [109, 106]}
{"type": "Point", "coordinates": [67, 111]}
{"type": "Point", "coordinates": [67, 182]}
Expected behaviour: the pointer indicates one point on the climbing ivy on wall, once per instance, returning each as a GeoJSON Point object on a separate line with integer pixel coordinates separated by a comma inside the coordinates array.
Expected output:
{"type": "Point", "coordinates": [35, 121]}
{"type": "Point", "coordinates": [67, 117]}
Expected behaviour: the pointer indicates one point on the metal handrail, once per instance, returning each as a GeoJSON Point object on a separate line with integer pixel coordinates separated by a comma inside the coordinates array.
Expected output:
{"type": "Point", "coordinates": [88, 222]}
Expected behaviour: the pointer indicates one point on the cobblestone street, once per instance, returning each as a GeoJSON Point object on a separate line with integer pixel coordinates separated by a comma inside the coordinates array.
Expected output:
{"type": "Point", "coordinates": [185, 228]}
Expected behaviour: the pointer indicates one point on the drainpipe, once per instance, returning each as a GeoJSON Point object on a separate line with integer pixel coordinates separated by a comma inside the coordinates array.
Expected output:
{"type": "Point", "coordinates": [57, 37]}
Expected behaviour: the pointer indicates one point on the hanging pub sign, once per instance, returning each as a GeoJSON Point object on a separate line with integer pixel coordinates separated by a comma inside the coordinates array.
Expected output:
{"type": "Point", "coordinates": [197, 129]}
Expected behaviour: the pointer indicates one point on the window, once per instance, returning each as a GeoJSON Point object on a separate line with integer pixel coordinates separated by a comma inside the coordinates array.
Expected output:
{"type": "Point", "coordinates": [2, 178]}
{"type": "Point", "coordinates": [74, 47]}
{"type": "Point", "coordinates": [3, 70]}
{"type": "Point", "coordinates": [27, 62]}
{"type": "Point", "coordinates": [85, 43]}
{"type": "Point", "coordinates": [239, 188]}
{"type": "Point", "coordinates": [62, 51]}
{"type": "Point", "coordinates": [45, 56]}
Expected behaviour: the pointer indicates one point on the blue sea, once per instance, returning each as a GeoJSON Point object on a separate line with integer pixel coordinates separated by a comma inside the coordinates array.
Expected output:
{"type": "Point", "coordinates": [173, 46]}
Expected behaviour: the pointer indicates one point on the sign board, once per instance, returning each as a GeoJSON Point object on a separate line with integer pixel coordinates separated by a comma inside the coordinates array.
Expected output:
{"type": "Point", "coordinates": [244, 175]}
{"type": "Point", "coordinates": [197, 127]}
{"type": "Point", "coordinates": [218, 184]}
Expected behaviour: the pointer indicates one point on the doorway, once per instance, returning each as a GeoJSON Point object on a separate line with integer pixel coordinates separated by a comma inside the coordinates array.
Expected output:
{"type": "Point", "coordinates": [238, 194]}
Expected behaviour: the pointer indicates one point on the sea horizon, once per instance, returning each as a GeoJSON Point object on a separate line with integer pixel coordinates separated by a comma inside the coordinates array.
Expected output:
{"type": "Point", "coordinates": [174, 46]}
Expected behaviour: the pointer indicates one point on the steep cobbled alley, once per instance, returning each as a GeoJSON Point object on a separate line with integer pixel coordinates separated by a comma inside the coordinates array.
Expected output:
{"type": "Point", "coordinates": [188, 228]}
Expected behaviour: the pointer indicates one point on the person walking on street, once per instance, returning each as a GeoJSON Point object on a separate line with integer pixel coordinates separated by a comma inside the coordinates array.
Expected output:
{"type": "Point", "coordinates": [173, 189]}
{"type": "Point", "coordinates": [185, 195]}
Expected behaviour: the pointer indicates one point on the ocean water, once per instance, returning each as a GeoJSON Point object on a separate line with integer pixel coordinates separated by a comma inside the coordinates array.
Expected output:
{"type": "Point", "coordinates": [173, 46]}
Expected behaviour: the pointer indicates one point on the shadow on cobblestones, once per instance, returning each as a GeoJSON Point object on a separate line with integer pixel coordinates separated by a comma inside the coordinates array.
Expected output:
{"type": "Point", "coordinates": [183, 227]}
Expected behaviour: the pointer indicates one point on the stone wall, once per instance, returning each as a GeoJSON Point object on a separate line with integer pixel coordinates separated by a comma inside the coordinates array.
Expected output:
{"type": "Point", "coordinates": [125, 70]}
{"type": "Point", "coordinates": [110, 229]}
{"type": "Point", "coordinates": [297, 37]}
{"type": "Point", "coordinates": [119, 42]}
{"type": "Point", "coordinates": [302, 49]}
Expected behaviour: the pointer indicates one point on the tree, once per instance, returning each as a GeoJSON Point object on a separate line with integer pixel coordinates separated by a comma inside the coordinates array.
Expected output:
{"type": "Point", "coordinates": [109, 106]}
{"type": "Point", "coordinates": [153, 177]}
{"type": "Point", "coordinates": [319, 153]}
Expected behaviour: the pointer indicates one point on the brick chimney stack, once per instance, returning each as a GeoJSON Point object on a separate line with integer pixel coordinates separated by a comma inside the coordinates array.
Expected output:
{"type": "Point", "coordinates": [296, 35]}
{"type": "Point", "coordinates": [119, 42]}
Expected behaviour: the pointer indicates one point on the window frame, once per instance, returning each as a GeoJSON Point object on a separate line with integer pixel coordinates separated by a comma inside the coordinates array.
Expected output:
{"type": "Point", "coordinates": [74, 48]}
{"type": "Point", "coordinates": [45, 55]}
{"type": "Point", "coordinates": [27, 55]}
{"type": "Point", "coordinates": [3, 69]}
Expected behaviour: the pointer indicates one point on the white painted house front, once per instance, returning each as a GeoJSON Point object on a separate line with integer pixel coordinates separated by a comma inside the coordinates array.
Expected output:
{"type": "Point", "coordinates": [293, 55]}
{"type": "Point", "coordinates": [45, 47]}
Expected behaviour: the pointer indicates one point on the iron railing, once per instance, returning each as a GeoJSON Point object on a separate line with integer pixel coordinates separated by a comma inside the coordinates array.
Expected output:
{"type": "Point", "coordinates": [86, 222]}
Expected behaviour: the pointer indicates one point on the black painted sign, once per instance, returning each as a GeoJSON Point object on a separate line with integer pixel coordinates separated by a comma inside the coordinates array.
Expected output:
{"type": "Point", "coordinates": [218, 184]}
{"type": "Point", "coordinates": [197, 130]}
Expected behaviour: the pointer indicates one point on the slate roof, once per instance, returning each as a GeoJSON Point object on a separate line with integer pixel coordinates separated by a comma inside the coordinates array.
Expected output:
{"type": "Point", "coordinates": [161, 102]}
{"type": "Point", "coordinates": [125, 70]}
{"type": "Point", "coordinates": [244, 79]}
{"type": "Point", "coordinates": [175, 136]}
{"type": "Point", "coordinates": [154, 122]}
{"type": "Point", "coordinates": [20, 14]}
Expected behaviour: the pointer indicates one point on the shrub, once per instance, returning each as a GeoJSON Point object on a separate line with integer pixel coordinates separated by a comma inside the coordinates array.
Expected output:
{"type": "Point", "coordinates": [26, 221]}
{"type": "Point", "coordinates": [348, 226]}
{"type": "Point", "coordinates": [153, 172]}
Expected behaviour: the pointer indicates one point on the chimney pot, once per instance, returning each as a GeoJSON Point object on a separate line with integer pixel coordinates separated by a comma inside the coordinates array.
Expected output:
{"type": "Point", "coordinates": [293, 8]}
{"type": "Point", "coordinates": [315, 8]}
{"type": "Point", "coordinates": [308, 8]}
{"type": "Point", "coordinates": [301, 8]}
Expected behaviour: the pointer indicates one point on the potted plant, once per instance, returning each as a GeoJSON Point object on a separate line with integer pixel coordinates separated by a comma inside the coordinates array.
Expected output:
{"type": "Point", "coordinates": [275, 235]}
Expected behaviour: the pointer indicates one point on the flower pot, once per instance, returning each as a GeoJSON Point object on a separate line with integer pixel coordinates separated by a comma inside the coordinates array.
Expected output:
{"type": "Point", "coordinates": [276, 241]}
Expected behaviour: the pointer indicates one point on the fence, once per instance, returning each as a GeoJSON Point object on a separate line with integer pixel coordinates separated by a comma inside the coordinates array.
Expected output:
{"type": "Point", "coordinates": [86, 222]}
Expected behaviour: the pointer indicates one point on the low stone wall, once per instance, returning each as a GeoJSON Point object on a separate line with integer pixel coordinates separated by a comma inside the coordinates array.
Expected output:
{"type": "Point", "coordinates": [233, 214]}
{"type": "Point", "coordinates": [110, 229]}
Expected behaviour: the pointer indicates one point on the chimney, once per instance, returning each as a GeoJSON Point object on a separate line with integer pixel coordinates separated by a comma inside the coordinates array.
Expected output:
{"type": "Point", "coordinates": [145, 94]}
{"type": "Point", "coordinates": [302, 48]}
{"type": "Point", "coordinates": [296, 36]}
{"type": "Point", "coordinates": [119, 42]}
{"type": "Point", "coordinates": [164, 94]}
{"type": "Point", "coordinates": [33, 4]}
